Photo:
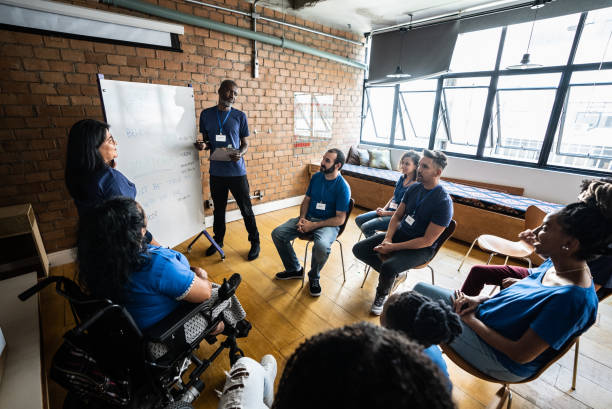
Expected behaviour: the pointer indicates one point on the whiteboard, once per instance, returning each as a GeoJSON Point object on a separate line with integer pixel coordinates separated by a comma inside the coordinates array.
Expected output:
{"type": "Point", "coordinates": [154, 126]}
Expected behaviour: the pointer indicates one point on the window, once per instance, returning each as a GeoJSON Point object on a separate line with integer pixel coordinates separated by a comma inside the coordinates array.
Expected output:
{"type": "Point", "coordinates": [487, 44]}
{"type": "Point", "coordinates": [595, 44]}
{"type": "Point", "coordinates": [583, 138]}
{"type": "Point", "coordinates": [520, 115]}
{"type": "Point", "coordinates": [312, 116]}
{"type": "Point", "coordinates": [377, 114]}
{"type": "Point", "coordinates": [462, 107]}
{"type": "Point", "coordinates": [414, 112]}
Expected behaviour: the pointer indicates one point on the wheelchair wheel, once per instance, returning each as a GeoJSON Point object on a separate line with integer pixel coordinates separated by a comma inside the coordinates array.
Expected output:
{"type": "Point", "coordinates": [178, 405]}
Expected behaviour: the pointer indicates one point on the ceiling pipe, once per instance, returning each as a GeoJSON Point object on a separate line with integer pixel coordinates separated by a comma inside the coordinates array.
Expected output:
{"type": "Point", "coordinates": [229, 29]}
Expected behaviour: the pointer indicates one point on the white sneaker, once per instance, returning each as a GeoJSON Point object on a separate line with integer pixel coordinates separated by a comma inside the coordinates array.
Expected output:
{"type": "Point", "coordinates": [401, 277]}
{"type": "Point", "coordinates": [269, 364]}
{"type": "Point", "coordinates": [377, 305]}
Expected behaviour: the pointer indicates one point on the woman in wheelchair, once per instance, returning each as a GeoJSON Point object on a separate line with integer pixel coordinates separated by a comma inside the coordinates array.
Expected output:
{"type": "Point", "coordinates": [513, 334]}
{"type": "Point", "coordinates": [115, 263]}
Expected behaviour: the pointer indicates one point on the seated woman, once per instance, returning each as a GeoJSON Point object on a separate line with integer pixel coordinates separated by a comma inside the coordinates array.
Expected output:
{"type": "Point", "coordinates": [379, 219]}
{"type": "Point", "coordinates": [357, 366]}
{"type": "Point", "coordinates": [505, 276]}
{"type": "Point", "coordinates": [115, 263]}
{"type": "Point", "coordinates": [518, 331]}
{"type": "Point", "coordinates": [422, 320]}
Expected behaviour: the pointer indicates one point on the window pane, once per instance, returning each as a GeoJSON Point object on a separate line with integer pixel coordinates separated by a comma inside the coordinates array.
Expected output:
{"type": "Point", "coordinates": [322, 109]}
{"type": "Point", "coordinates": [594, 41]}
{"type": "Point", "coordinates": [460, 119]}
{"type": "Point", "coordinates": [302, 117]}
{"type": "Point", "coordinates": [419, 85]}
{"type": "Point", "coordinates": [583, 137]}
{"type": "Point", "coordinates": [378, 111]}
{"type": "Point", "coordinates": [529, 81]}
{"type": "Point", "coordinates": [415, 110]}
{"type": "Point", "coordinates": [485, 41]}
{"type": "Point", "coordinates": [550, 44]}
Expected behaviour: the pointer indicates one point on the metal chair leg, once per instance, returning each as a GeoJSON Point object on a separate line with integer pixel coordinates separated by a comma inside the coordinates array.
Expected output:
{"type": "Point", "coordinates": [467, 254]}
{"type": "Point", "coordinates": [506, 260]}
{"type": "Point", "coordinates": [509, 397]}
{"type": "Point", "coordinates": [366, 271]}
{"type": "Point", "coordinates": [576, 346]}
{"type": "Point", "coordinates": [305, 258]}
{"type": "Point", "coordinates": [342, 258]}
{"type": "Point", "coordinates": [491, 258]}
{"type": "Point", "coordinates": [432, 274]}
{"type": "Point", "coordinates": [528, 260]}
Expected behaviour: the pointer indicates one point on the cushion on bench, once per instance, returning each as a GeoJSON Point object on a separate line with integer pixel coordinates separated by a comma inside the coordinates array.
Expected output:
{"type": "Point", "coordinates": [494, 201]}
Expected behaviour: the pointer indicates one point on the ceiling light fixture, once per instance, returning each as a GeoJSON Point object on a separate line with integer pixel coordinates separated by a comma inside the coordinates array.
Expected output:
{"type": "Point", "coordinates": [526, 63]}
{"type": "Point", "coordinates": [398, 71]}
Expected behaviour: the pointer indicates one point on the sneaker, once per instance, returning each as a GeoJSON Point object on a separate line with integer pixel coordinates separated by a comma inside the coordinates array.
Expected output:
{"type": "Point", "coordinates": [315, 287]}
{"type": "Point", "coordinates": [254, 252]}
{"type": "Point", "coordinates": [401, 277]}
{"type": "Point", "coordinates": [377, 305]}
{"type": "Point", "coordinates": [289, 275]}
{"type": "Point", "coordinates": [212, 249]}
{"type": "Point", "coordinates": [269, 364]}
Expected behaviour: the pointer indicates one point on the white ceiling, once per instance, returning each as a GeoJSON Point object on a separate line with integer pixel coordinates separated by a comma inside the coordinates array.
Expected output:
{"type": "Point", "coordinates": [361, 16]}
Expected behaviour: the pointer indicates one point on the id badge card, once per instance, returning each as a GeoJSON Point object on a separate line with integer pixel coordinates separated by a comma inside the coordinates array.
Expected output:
{"type": "Point", "coordinates": [220, 138]}
{"type": "Point", "coordinates": [410, 220]}
{"type": "Point", "coordinates": [392, 206]}
{"type": "Point", "coordinates": [320, 206]}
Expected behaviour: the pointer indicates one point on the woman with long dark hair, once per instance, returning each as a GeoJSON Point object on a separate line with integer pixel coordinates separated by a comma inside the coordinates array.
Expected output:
{"type": "Point", "coordinates": [379, 219]}
{"type": "Point", "coordinates": [513, 334]}
{"type": "Point", "coordinates": [114, 262]}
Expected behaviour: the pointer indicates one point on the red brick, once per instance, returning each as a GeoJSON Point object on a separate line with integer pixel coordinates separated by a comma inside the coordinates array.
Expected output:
{"type": "Point", "coordinates": [52, 77]}
{"type": "Point", "coordinates": [72, 55]}
{"type": "Point", "coordinates": [87, 68]}
{"type": "Point", "coordinates": [23, 76]}
{"type": "Point", "coordinates": [10, 50]}
{"type": "Point", "coordinates": [116, 59]}
{"type": "Point", "coordinates": [78, 79]}
{"type": "Point", "coordinates": [57, 100]}
{"type": "Point", "coordinates": [47, 53]}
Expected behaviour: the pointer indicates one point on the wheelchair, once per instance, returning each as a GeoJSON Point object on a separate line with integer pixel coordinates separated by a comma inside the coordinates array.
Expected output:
{"type": "Point", "coordinates": [106, 361]}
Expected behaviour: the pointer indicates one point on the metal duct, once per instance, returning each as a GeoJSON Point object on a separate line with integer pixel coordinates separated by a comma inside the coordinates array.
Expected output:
{"type": "Point", "coordinates": [228, 29]}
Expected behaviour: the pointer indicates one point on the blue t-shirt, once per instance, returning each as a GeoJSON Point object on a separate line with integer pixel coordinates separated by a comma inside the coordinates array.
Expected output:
{"type": "Point", "coordinates": [233, 124]}
{"type": "Point", "coordinates": [103, 185]}
{"type": "Point", "coordinates": [334, 194]}
{"type": "Point", "coordinates": [555, 313]}
{"type": "Point", "coordinates": [435, 354]}
{"type": "Point", "coordinates": [156, 290]}
{"type": "Point", "coordinates": [398, 193]}
{"type": "Point", "coordinates": [424, 206]}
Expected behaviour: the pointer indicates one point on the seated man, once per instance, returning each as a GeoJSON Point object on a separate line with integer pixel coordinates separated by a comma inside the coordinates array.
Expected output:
{"type": "Point", "coordinates": [322, 213]}
{"type": "Point", "coordinates": [426, 210]}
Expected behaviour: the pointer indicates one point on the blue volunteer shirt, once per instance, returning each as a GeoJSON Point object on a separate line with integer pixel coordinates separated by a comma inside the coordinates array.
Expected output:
{"type": "Point", "coordinates": [398, 193]}
{"type": "Point", "coordinates": [103, 185]}
{"type": "Point", "coordinates": [233, 124]}
{"type": "Point", "coordinates": [156, 290]}
{"type": "Point", "coordinates": [435, 354]}
{"type": "Point", "coordinates": [556, 314]}
{"type": "Point", "coordinates": [334, 194]}
{"type": "Point", "coordinates": [424, 207]}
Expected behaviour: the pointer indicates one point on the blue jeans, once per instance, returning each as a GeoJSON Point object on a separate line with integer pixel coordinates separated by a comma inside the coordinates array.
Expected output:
{"type": "Point", "coordinates": [469, 345]}
{"type": "Point", "coordinates": [369, 222]}
{"type": "Point", "coordinates": [323, 239]}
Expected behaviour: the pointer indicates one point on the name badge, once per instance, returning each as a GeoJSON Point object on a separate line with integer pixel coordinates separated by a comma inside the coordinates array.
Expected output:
{"type": "Point", "coordinates": [392, 206]}
{"type": "Point", "coordinates": [410, 220]}
{"type": "Point", "coordinates": [220, 138]}
{"type": "Point", "coordinates": [320, 206]}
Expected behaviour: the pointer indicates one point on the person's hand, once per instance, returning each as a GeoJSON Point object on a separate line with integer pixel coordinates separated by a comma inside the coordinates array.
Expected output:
{"type": "Point", "coordinates": [469, 318]}
{"type": "Point", "coordinates": [464, 304]}
{"type": "Point", "coordinates": [201, 145]}
{"type": "Point", "coordinates": [306, 226]}
{"type": "Point", "coordinates": [507, 282]}
{"type": "Point", "coordinates": [200, 272]}
{"type": "Point", "coordinates": [385, 247]}
{"type": "Point", "coordinates": [235, 157]}
{"type": "Point", "coordinates": [380, 211]}
{"type": "Point", "coordinates": [529, 237]}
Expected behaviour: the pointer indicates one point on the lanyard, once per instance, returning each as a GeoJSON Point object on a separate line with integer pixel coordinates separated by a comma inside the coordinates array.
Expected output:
{"type": "Point", "coordinates": [421, 200]}
{"type": "Point", "coordinates": [224, 120]}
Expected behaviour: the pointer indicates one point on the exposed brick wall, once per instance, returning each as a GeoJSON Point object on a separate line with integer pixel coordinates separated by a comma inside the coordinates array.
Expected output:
{"type": "Point", "coordinates": [47, 83]}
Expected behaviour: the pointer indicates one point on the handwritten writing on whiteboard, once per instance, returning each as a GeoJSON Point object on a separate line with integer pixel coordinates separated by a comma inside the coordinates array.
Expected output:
{"type": "Point", "coordinates": [155, 127]}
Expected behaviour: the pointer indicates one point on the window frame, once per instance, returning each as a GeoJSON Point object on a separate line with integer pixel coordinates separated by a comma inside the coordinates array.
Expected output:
{"type": "Point", "coordinates": [554, 120]}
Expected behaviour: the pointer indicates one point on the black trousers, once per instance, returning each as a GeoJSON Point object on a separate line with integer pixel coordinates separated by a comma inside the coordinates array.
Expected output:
{"type": "Point", "coordinates": [239, 186]}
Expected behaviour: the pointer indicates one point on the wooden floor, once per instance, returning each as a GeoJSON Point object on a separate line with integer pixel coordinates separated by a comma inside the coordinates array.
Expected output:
{"type": "Point", "coordinates": [283, 316]}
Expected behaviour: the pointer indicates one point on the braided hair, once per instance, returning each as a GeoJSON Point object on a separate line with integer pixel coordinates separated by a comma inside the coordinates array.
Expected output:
{"type": "Point", "coordinates": [420, 318]}
{"type": "Point", "coordinates": [361, 366]}
{"type": "Point", "coordinates": [110, 247]}
{"type": "Point", "coordinates": [590, 219]}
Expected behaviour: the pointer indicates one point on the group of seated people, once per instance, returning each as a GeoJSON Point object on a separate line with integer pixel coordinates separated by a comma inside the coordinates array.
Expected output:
{"type": "Point", "coordinates": [508, 336]}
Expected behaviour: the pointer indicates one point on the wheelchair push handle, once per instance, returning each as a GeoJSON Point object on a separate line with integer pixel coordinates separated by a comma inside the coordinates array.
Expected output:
{"type": "Point", "coordinates": [39, 286]}
{"type": "Point", "coordinates": [228, 288]}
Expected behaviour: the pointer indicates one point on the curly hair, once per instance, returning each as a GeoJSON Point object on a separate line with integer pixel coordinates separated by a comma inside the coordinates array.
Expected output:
{"type": "Point", "coordinates": [590, 219]}
{"type": "Point", "coordinates": [82, 155]}
{"type": "Point", "coordinates": [420, 318]}
{"type": "Point", "coordinates": [110, 247]}
{"type": "Point", "coordinates": [361, 366]}
{"type": "Point", "coordinates": [415, 158]}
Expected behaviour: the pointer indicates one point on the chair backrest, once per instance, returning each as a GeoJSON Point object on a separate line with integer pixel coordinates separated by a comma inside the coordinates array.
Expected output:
{"type": "Point", "coordinates": [446, 234]}
{"type": "Point", "coordinates": [348, 214]}
{"type": "Point", "coordinates": [533, 217]}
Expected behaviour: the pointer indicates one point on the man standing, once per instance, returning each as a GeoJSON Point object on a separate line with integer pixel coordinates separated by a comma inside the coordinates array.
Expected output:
{"type": "Point", "coordinates": [322, 213]}
{"type": "Point", "coordinates": [224, 127]}
{"type": "Point", "coordinates": [426, 210]}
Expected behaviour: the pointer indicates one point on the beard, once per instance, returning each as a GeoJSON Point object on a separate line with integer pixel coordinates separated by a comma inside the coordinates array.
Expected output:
{"type": "Point", "coordinates": [327, 171]}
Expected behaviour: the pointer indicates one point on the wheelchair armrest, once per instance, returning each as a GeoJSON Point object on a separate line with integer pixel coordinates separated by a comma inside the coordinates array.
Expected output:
{"type": "Point", "coordinates": [163, 329]}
